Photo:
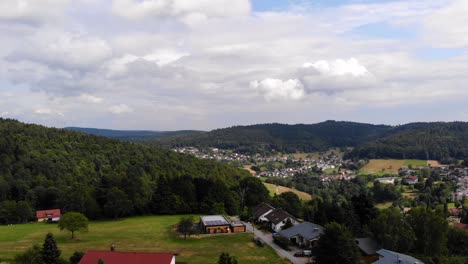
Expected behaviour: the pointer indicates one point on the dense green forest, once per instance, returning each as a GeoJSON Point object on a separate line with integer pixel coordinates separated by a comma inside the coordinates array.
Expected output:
{"type": "Point", "coordinates": [280, 137]}
{"type": "Point", "coordinates": [43, 168]}
{"type": "Point", "coordinates": [437, 141]}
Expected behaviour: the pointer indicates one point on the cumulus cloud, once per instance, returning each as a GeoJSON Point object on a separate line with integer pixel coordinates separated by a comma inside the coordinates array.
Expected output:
{"type": "Point", "coordinates": [31, 11]}
{"type": "Point", "coordinates": [338, 67]}
{"type": "Point", "coordinates": [273, 89]}
{"type": "Point", "coordinates": [185, 9]}
{"type": "Point", "coordinates": [120, 109]}
{"type": "Point", "coordinates": [63, 50]}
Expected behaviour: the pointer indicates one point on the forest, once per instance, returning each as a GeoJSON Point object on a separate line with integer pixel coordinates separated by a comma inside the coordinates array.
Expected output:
{"type": "Point", "coordinates": [44, 168]}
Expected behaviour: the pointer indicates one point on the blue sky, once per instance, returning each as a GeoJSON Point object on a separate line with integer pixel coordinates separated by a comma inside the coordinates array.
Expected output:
{"type": "Point", "coordinates": [177, 64]}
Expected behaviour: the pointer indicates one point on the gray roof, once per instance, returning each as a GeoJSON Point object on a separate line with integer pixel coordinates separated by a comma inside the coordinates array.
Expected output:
{"type": "Point", "coordinates": [261, 209]}
{"type": "Point", "coordinates": [368, 245]}
{"type": "Point", "coordinates": [306, 230]}
{"type": "Point", "coordinates": [391, 257]}
{"type": "Point", "coordinates": [277, 216]}
{"type": "Point", "coordinates": [214, 220]}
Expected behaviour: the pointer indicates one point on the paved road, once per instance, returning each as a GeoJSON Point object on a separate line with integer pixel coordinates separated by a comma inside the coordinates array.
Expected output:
{"type": "Point", "coordinates": [268, 239]}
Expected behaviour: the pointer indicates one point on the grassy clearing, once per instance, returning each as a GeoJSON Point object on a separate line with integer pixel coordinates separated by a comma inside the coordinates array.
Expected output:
{"type": "Point", "coordinates": [416, 163]}
{"type": "Point", "coordinates": [382, 206]}
{"type": "Point", "coordinates": [281, 189]}
{"type": "Point", "coordinates": [383, 166]}
{"type": "Point", "coordinates": [147, 233]}
{"type": "Point", "coordinates": [248, 168]}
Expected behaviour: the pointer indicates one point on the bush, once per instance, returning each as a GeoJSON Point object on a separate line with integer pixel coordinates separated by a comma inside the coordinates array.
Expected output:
{"type": "Point", "coordinates": [282, 242]}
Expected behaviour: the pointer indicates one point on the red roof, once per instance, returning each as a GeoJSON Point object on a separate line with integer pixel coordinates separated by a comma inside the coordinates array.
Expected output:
{"type": "Point", "coordinates": [116, 257]}
{"type": "Point", "coordinates": [461, 226]}
{"type": "Point", "coordinates": [53, 213]}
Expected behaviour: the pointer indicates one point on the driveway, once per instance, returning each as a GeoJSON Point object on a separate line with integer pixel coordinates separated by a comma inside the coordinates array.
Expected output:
{"type": "Point", "coordinates": [268, 239]}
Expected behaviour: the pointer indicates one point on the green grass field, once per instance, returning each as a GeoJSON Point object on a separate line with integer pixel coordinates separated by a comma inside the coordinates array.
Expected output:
{"type": "Point", "coordinates": [416, 163]}
{"type": "Point", "coordinates": [273, 189]}
{"type": "Point", "coordinates": [147, 234]}
{"type": "Point", "coordinates": [381, 167]}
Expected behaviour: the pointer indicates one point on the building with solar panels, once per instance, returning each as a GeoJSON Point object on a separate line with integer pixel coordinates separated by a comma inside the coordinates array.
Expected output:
{"type": "Point", "coordinates": [212, 224]}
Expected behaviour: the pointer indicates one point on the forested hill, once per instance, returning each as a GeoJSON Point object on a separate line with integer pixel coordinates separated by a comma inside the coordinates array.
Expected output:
{"type": "Point", "coordinates": [437, 140]}
{"type": "Point", "coordinates": [281, 137]}
{"type": "Point", "coordinates": [43, 168]}
{"type": "Point", "coordinates": [131, 135]}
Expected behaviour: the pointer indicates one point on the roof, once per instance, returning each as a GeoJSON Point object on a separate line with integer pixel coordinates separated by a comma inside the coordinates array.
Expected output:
{"type": "Point", "coordinates": [114, 257]}
{"type": "Point", "coordinates": [306, 230]}
{"type": "Point", "coordinates": [461, 226]}
{"type": "Point", "coordinates": [391, 257]}
{"type": "Point", "coordinates": [52, 213]}
{"type": "Point", "coordinates": [214, 220]}
{"type": "Point", "coordinates": [368, 245]}
{"type": "Point", "coordinates": [277, 216]}
{"type": "Point", "coordinates": [454, 211]}
{"type": "Point", "coordinates": [262, 209]}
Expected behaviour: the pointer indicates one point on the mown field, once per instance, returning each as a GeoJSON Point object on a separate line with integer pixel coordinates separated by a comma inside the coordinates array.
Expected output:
{"type": "Point", "coordinates": [146, 234]}
{"type": "Point", "coordinates": [389, 166]}
{"type": "Point", "coordinates": [276, 189]}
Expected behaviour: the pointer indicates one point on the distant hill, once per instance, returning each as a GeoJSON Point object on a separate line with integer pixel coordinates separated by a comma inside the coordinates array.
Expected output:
{"type": "Point", "coordinates": [281, 137]}
{"type": "Point", "coordinates": [427, 141]}
{"type": "Point", "coordinates": [131, 135]}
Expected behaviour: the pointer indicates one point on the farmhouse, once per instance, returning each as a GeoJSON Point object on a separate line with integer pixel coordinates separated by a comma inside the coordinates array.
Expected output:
{"type": "Point", "coordinates": [305, 234]}
{"type": "Point", "coordinates": [113, 257]}
{"type": "Point", "coordinates": [387, 257]}
{"type": "Point", "coordinates": [278, 218]}
{"type": "Point", "coordinates": [52, 215]}
{"type": "Point", "coordinates": [261, 210]}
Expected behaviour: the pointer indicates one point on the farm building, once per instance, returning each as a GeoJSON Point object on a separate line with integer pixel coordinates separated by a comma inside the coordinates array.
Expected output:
{"type": "Point", "coordinates": [52, 215]}
{"type": "Point", "coordinates": [113, 257]}
{"type": "Point", "coordinates": [220, 224]}
{"type": "Point", "coordinates": [305, 234]}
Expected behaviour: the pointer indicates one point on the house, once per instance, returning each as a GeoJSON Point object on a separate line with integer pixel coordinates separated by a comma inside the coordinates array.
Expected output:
{"type": "Point", "coordinates": [412, 180]}
{"type": "Point", "coordinates": [454, 211]}
{"type": "Point", "coordinates": [261, 210]}
{"type": "Point", "coordinates": [368, 246]}
{"type": "Point", "coordinates": [114, 257]}
{"type": "Point", "coordinates": [305, 234]}
{"type": "Point", "coordinates": [391, 257]}
{"type": "Point", "coordinates": [52, 215]}
{"type": "Point", "coordinates": [278, 218]}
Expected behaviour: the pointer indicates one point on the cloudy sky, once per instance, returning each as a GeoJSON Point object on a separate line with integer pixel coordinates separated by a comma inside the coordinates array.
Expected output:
{"type": "Point", "coordinates": [204, 64]}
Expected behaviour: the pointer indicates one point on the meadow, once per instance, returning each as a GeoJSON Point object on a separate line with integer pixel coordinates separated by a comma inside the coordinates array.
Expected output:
{"type": "Point", "coordinates": [140, 234]}
{"type": "Point", "coordinates": [389, 166]}
{"type": "Point", "coordinates": [277, 189]}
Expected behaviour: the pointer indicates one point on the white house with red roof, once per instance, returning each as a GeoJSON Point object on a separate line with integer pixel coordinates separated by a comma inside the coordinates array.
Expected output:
{"type": "Point", "coordinates": [52, 215]}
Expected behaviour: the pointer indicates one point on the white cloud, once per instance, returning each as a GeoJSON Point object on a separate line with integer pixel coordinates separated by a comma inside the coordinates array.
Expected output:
{"type": "Point", "coordinates": [120, 109]}
{"type": "Point", "coordinates": [88, 98]}
{"type": "Point", "coordinates": [338, 67]}
{"type": "Point", "coordinates": [448, 27]}
{"type": "Point", "coordinates": [187, 10]}
{"type": "Point", "coordinates": [48, 111]}
{"type": "Point", "coordinates": [31, 11]}
{"type": "Point", "coordinates": [273, 89]}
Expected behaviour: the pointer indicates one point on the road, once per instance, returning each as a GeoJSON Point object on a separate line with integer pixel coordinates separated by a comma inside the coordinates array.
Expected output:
{"type": "Point", "coordinates": [268, 239]}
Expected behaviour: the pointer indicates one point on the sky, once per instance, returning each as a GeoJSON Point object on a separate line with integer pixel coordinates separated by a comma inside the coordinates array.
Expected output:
{"type": "Point", "coordinates": [206, 64]}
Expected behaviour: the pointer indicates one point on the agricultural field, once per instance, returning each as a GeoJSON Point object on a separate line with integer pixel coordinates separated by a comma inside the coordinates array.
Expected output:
{"type": "Point", "coordinates": [141, 234]}
{"type": "Point", "coordinates": [389, 166]}
{"type": "Point", "coordinates": [276, 189]}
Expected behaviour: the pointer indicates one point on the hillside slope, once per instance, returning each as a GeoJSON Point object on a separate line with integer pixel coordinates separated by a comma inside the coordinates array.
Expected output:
{"type": "Point", "coordinates": [49, 168]}
{"type": "Point", "coordinates": [132, 135]}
